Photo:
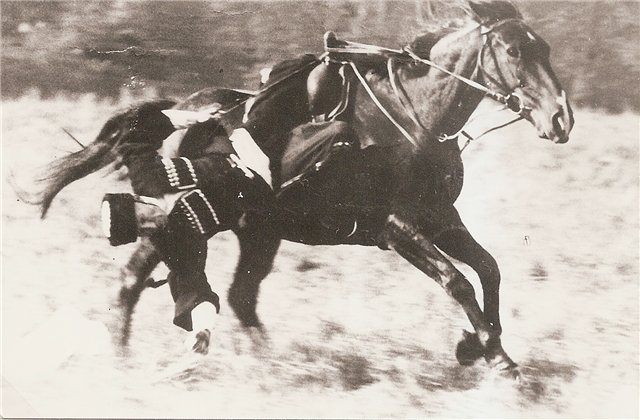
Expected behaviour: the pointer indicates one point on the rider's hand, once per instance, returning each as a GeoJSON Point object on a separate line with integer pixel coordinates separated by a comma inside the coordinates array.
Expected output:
{"type": "Point", "coordinates": [148, 176]}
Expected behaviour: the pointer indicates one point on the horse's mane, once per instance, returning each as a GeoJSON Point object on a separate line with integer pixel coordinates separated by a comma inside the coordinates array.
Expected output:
{"type": "Point", "coordinates": [481, 11]}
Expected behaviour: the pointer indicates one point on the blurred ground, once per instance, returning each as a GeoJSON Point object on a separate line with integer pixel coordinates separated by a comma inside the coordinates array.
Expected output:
{"type": "Point", "coordinates": [355, 331]}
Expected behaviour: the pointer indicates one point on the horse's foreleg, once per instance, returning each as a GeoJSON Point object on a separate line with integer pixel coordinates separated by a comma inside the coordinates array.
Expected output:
{"type": "Point", "coordinates": [419, 251]}
{"type": "Point", "coordinates": [258, 248]}
{"type": "Point", "coordinates": [458, 243]}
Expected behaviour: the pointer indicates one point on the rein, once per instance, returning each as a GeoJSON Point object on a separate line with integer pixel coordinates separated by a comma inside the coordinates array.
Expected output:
{"type": "Point", "coordinates": [255, 93]}
{"type": "Point", "coordinates": [492, 94]}
{"type": "Point", "coordinates": [375, 100]}
{"type": "Point", "coordinates": [401, 93]}
{"type": "Point", "coordinates": [511, 101]}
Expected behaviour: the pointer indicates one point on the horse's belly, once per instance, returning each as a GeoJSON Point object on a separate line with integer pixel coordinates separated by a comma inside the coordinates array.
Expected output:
{"type": "Point", "coordinates": [350, 198]}
{"type": "Point", "coordinates": [347, 201]}
{"type": "Point", "coordinates": [349, 229]}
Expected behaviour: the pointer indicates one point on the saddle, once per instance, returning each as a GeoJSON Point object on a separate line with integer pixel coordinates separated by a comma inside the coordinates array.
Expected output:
{"type": "Point", "coordinates": [330, 93]}
{"type": "Point", "coordinates": [329, 84]}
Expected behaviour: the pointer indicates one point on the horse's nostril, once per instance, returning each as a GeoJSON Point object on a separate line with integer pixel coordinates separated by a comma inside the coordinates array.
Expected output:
{"type": "Point", "coordinates": [558, 123]}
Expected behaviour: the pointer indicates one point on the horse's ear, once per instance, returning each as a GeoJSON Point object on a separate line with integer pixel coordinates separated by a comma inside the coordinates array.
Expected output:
{"type": "Point", "coordinates": [492, 10]}
{"type": "Point", "coordinates": [471, 8]}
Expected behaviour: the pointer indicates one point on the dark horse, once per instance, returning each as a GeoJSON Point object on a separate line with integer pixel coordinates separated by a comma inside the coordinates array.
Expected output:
{"type": "Point", "coordinates": [398, 189]}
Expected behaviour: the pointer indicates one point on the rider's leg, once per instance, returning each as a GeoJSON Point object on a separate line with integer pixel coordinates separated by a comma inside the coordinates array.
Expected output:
{"type": "Point", "coordinates": [331, 145]}
{"type": "Point", "coordinates": [203, 316]}
{"type": "Point", "coordinates": [185, 253]}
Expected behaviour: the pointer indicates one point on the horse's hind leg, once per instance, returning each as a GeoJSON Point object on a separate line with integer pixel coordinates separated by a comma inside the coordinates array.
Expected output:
{"type": "Point", "coordinates": [414, 246]}
{"type": "Point", "coordinates": [140, 266]}
{"type": "Point", "coordinates": [258, 248]}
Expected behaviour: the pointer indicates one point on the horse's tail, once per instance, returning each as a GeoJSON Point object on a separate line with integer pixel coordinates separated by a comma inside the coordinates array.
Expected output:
{"type": "Point", "coordinates": [96, 155]}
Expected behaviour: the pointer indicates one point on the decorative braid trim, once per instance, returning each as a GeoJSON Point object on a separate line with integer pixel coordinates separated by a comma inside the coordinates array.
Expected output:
{"type": "Point", "coordinates": [199, 212]}
{"type": "Point", "coordinates": [192, 217]}
{"type": "Point", "coordinates": [208, 204]}
{"type": "Point", "coordinates": [180, 173]}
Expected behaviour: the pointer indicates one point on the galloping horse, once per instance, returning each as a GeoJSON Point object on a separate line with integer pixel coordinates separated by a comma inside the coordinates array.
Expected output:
{"type": "Point", "coordinates": [398, 189]}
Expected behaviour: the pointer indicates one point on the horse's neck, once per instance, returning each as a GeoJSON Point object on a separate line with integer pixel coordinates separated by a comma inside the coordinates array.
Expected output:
{"type": "Point", "coordinates": [442, 102]}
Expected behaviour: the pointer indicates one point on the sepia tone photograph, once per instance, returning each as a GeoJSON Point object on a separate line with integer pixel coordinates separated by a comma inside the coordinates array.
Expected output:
{"type": "Point", "coordinates": [320, 209]}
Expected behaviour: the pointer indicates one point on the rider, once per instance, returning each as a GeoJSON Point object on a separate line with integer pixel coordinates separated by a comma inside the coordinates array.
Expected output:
{"type": "Point", "coordinates": [209, 194]}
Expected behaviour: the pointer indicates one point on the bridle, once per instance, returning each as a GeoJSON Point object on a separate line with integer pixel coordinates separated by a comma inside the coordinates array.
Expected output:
{"type": "Point", "coordinates": [506, 95]}
{"type": "Point", "coordinates": [511, 100]}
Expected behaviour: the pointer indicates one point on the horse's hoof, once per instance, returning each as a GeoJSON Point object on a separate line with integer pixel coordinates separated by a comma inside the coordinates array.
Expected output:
{"type": "Point", "coordinates": [469, 349]}
{"type": "Point", "coordinates": [513, 373]}
{"type": "Point", "coordinates": [199, 343]}
{"type": "Point", "coordinates": [506, 367]}
{"type": "Point", "coordinates": [260, 342]}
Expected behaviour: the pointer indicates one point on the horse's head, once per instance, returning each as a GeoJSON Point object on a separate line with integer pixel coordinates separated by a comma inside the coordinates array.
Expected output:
{"type": "Point", "coordinates": [514, 61]}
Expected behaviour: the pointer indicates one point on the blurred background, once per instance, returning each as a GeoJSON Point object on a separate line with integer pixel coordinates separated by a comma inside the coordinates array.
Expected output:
{"type": "Point", "coordinates": [179, 47]}
{"type": "Point", "coordinates": [355, 332]}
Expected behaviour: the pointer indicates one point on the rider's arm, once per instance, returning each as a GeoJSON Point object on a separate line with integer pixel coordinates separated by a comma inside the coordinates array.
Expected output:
{"type": "Point", "coordinates": [155, 176]}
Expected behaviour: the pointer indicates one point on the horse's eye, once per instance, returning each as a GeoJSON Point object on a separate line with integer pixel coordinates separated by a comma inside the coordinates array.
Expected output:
{"type": "Point", "coordinates": [513, 52]}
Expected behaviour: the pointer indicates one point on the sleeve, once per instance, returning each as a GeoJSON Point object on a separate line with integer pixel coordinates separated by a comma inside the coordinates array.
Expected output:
{"type": "Point", "coordinates": [154, 175]}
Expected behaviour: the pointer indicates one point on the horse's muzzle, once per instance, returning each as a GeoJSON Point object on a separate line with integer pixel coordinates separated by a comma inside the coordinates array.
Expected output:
{"type": "Point", "coordinates": [562, 121]}
{"type": "Point", "coordinates": [558, 127]}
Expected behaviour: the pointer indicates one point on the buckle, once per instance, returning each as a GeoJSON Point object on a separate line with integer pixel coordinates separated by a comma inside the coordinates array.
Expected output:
{"type": "Point", "coordinates": [442, 137]}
